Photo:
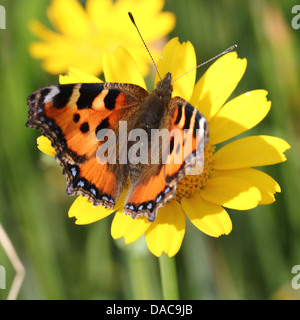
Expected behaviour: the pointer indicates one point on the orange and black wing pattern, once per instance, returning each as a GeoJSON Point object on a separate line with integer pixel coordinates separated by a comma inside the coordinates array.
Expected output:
{"type": "Point", "coordinates": [71, 115]}
{"type": "Point", "coordinates": [189, 130]}
{"type": "Point", "coordinates": [188, 136]}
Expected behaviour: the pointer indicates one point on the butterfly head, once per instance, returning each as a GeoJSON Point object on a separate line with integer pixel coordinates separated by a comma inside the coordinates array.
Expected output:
{"type": "Point", "coordinates": [164, 88]}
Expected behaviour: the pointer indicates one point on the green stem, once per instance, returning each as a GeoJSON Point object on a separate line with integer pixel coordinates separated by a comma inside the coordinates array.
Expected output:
{"type": "Point", "coordinates": [144, 284]}
{"type": "Point", "coordinates": [168, 277]}
{"type": "Point", "coordinates": [141, 285]}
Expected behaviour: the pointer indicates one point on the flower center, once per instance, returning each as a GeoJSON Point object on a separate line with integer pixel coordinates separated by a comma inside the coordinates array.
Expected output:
{"type": "Point", "coordinates": [191, 184]}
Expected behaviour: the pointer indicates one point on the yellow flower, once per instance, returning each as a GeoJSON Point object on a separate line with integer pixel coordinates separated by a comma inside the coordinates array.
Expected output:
{"type": "Point", "coordinates": [82, 34]}
{"type": "Point", "coordinates": [228, 179]}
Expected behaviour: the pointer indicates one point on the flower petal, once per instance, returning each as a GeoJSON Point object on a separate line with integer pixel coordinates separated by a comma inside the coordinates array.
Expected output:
{"type": "Point", "coordinates": [85, 212]}
{"type": "Point", "coordinates": [59, 55]}
{"type": "Point", "coordinates": [119, 66]}
{"type": "Point", "coordinates": [82, 34]}
{"type": "Point", "coordinates": [178, 58]}
{"type": "Point", "coordinates": [95, 7]}
{"type": "Point", "coordinates": [44, 145]}
{"type": "Point", "coordinates": [77, 76]}
{"type": "Point", "coordinates": [217, 84]}
{"type": "Point", "coordinates": [41, 31]}
{"type": "Point", "coordinates": [265, 184]}
{"type": "Point", "coordinates": [239, 115]}
{"type": "Point", "coordinates": [164, 21]}
{"type": "Point", "coordinates": [127, 227]}
{"type": "Point", "coordinates": [167, 231]}
{"type": "Point", "coordinates": [63, 14]}
{"type": "Point", "coordinates": [209, 218]}
{"type": "Point", "coordinates": [231, 192]}
{"type": "Point", "coordinates": [251, 152]}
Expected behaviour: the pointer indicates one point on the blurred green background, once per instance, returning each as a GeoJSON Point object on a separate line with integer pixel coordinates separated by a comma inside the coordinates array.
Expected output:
{"type": "Point", "coordinates": [65, 261]}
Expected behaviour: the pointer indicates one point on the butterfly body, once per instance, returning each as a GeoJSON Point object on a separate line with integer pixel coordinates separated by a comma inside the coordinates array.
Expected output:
{"type": "Point", "coordinates": [74, 116]}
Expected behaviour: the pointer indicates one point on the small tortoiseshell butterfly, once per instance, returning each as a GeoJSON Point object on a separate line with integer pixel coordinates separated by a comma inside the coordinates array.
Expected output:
{"type": "Point", "coordinates": [71, 115]}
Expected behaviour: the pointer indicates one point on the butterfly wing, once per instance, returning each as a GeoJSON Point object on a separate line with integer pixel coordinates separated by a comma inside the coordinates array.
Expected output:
{"type": "Point", "coordinates": [187, 144]}
{"type": "Point", "coordinates": [151, 191]}
{"type": "Point", "coordinates": [102, 184]}
{"type": "Point", "coordinates": [71, 115]}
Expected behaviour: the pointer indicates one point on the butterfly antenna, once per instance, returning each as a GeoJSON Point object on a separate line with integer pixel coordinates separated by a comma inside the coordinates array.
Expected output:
{"type": "Point", "coordinates": [209, 60]}
{"type": "Point", "coordinates": [132, 20]}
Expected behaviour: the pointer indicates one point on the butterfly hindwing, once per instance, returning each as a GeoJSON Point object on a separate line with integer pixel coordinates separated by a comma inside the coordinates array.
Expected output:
{"type": "Point", "coordinates": [185, 150]}
{"type": "Point", "coordinates": [145, 198]}
{"type": "Point", "coordinates": [102, 184]}
{"type": "Point", "coordinates": [188, 142]}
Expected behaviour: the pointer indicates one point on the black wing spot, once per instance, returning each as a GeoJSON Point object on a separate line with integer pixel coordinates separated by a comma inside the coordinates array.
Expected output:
{"type": "Point", "coordinates": [110, 99]}
{"type": "Point", "coordinates": [188, 116]}
{"type": "Point", "coordinates": [179, 115]}
{"type": "Point", "coordinates": [104, 124]}
{"type": "Point", "coordinates": [84, 128]}
{"type": "Point", "coordinates": [61, 99]}
{"type": "Point", "coordinates": [88, 92]}
{"type": "Point", "coordinates": [76, 117]}
{"type": "Point", "coordinates": [171, 144]}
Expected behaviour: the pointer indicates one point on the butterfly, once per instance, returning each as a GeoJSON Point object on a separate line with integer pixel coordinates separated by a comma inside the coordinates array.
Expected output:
{"type": "Point", "coordinates": [72, 115]}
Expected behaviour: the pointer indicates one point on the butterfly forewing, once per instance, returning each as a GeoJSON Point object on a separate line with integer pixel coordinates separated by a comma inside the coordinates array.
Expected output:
{"type": "Point", "coordinates": [70, 116]}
